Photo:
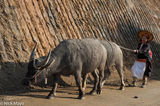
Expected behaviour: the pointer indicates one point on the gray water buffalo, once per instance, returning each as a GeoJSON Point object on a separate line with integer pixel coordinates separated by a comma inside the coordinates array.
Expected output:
{"type": "Point", "coordinates": [114, 58]}
{"type": "Point", "coordinates": [70, 57]}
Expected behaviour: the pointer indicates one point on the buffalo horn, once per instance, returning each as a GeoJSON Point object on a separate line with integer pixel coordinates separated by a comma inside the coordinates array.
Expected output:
{"type": "Point", "coordinates": [43, 63]}
{"type": "Point", "coordinates": [32, 57]}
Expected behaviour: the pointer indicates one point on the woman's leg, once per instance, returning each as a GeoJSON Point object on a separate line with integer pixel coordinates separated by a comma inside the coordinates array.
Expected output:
{"type": "Point", "coordinates": [147, 74]}
{"type": "Point", "coordinates": [134, 81]}
{"type": "Point", "coordinates": [145, 79]}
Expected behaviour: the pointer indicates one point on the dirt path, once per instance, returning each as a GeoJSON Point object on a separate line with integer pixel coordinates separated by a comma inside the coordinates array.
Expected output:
{"type": "Point", "coordinates": [149, 96]}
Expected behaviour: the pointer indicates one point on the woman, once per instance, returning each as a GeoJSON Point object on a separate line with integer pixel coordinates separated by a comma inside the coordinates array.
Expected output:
{"type": "Point", "coordinates": [142, 66]}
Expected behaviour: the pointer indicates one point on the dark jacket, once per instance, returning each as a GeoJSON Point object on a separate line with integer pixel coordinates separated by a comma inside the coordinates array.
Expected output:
{"type": "Point", "coordinates": [143, 51]}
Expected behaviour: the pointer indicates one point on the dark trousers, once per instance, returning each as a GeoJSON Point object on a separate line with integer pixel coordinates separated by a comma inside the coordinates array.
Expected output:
{"type": "Point", "coordinates": [148, 69]}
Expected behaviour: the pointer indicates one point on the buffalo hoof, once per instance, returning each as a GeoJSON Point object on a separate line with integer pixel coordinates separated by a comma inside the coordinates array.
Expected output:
{"type": "Point", "coordinates": [121, 88]}
{"type": "Point", "coordinates": [80, 97]}
{"type": "Point", "coordinates": [92, 93]}
{"type": "Point", "coordinates": [49, 97]}
{"type": "Point", "coordinates": [143, 86]}
{"type": "Point", "coordinates": [99, 91]}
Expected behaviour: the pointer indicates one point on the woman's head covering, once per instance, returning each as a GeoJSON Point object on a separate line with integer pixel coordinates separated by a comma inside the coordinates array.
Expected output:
{"type": "Point", "coordinates": [145, 33]}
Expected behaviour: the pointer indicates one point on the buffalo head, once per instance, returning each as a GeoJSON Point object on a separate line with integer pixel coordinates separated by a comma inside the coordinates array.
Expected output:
{"type": "Point", "coordinates": [34, 66]}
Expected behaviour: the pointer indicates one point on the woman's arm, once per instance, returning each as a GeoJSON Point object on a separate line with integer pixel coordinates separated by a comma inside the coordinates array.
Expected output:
{"type": "Point", "coordinates": [143, 50]}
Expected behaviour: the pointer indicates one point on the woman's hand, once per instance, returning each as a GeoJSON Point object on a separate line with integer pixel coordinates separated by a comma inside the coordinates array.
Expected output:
{"type": "Point", "coordinates": [135, 51]}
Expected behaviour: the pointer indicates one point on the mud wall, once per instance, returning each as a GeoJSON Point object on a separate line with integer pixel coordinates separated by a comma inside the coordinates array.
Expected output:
{"type": "Point", "coordinates": [47, 22]}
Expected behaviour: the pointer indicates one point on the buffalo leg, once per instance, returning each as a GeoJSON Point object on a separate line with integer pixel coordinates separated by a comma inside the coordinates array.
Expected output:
{"type": "Point", "coordinates": [55, 84]}
{"type": "Point", "coordinates": [96, 80]}
{"type": "Point", "coordinates": [106, 75]}
{"type": "Point", "coordinates": [101, 76]}
{"type": "Point", "coordinates": [120, 72]}
{"type": "Point", "coordinates": [78, 79]}
{"type": "Point", "coordinates": [84, 79]}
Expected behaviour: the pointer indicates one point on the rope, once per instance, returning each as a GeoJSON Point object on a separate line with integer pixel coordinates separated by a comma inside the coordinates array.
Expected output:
{"type": "Point", "coordinates": [121, 47]}
{"type": "Point", "coordinates": [126, 48]}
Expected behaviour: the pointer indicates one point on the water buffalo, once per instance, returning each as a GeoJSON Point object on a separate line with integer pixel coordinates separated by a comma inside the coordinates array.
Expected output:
{"type": "Point", "coordinates": [114, 58]}
{"type": "Point", "coordinates": [71, 57]}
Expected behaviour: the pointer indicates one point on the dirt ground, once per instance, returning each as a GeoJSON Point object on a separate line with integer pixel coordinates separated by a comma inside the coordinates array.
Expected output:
{"type": "Point", "coordinates": [111, 96]}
